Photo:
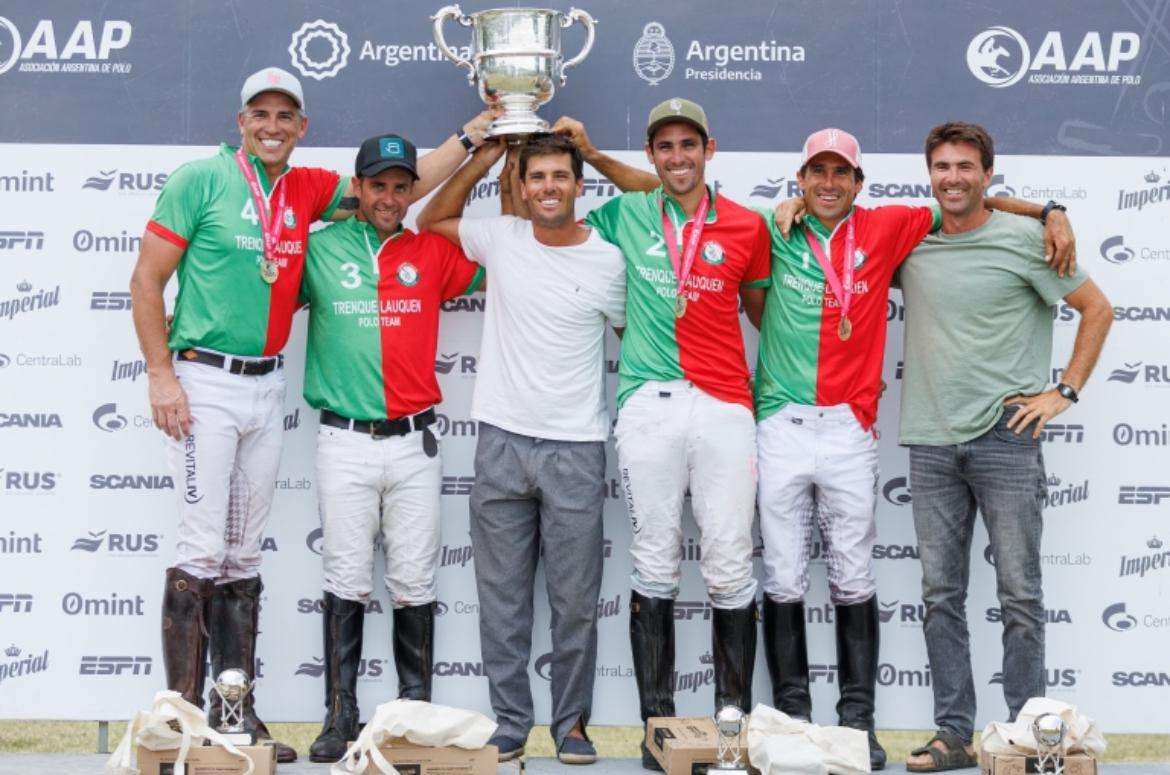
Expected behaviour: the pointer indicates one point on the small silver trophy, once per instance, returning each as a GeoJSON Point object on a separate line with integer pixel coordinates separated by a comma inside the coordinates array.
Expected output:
{"type": "Point", "coordinates": [1049, 730]}
{"type": "Point", "coordinates": [515, 59]}
{"type": "Point", "coordinates": [232, 686]}
{"type": "Point", "coordinates": [728, 755]}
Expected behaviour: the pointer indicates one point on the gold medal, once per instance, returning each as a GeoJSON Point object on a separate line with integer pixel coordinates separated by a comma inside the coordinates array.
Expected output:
{"type": "Point", "coordinates": [680, 305]}
{"type": "Point", "coordinates": [269, 271]}
{"type": "Point", "coordinates": [844, 329]}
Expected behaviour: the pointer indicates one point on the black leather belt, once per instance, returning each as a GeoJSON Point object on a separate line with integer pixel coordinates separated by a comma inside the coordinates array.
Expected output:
{"type": "Point", "coordinates": [380, 429]}
{"type": "Point", "coordinates": [248, 367]}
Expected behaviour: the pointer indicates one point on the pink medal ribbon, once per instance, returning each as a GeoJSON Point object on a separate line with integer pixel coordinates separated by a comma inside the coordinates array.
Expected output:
{"type": "Point", "coordinates": [269, 225]}
{"type": "Point", "coordinates": [844, 294]}
{"type": "Point", "coordinates": [682, 265]}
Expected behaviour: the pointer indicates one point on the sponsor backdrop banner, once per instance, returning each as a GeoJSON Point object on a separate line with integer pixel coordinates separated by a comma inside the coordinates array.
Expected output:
{"type": "Point", "coordinates": [109, 106]}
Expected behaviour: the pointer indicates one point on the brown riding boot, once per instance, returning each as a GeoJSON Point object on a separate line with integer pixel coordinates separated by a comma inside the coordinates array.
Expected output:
{"type": "Point", "coordinates": [184, 633]}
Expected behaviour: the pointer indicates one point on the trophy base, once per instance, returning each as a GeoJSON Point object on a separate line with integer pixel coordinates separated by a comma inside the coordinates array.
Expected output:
{"type": "Point", "coordinates": [511, 124]}
{"type": "Point", "coordinates": [236, 738]}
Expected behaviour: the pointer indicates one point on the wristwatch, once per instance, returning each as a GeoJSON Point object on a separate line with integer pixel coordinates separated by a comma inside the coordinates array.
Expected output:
{"type": "Point", "coordinates": [1068, 392]}
{"type": "Point", "coordinates": [470, 146]}
{"type": "Point", "coordinates": [1048, 208]}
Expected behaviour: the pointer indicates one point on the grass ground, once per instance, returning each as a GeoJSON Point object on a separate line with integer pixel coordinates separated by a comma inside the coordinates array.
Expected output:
{"type": "Point", "coordinates": [612, 742]}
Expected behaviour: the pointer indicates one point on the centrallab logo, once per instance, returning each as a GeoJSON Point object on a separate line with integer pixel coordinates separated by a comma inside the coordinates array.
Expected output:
{"type": "Point", "coordinates": [1000, 57]}
{"type": "Point", "coordinates": [106, 418]}
{"type": "Point", "coordinates": [1115, 251]}
{"type": "Point", "coordinates": [897, 491]}
{"type": "Point", "coordinates": [319, 49]}
{"type": "Point", "coordinates": [1115, 618]}
{"type": "Point", "coordinates": [653, 54]}
{"type": "Point", "coordinates": [84, 50]}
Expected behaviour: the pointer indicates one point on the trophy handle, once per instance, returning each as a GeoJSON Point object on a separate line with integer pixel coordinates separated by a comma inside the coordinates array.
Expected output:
{"type": "Point", "coordinates": [577, 15]}
{"type": "Point", "coordinates": [454, 12]}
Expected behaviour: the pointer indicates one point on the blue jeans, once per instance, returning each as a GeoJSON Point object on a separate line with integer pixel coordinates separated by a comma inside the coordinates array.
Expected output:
{"type": "Point", "coordinates": [1002, 475]}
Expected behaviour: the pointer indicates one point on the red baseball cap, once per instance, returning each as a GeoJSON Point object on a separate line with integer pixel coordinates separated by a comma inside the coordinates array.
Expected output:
{"type": "Point", "coordinates": [831, 140]}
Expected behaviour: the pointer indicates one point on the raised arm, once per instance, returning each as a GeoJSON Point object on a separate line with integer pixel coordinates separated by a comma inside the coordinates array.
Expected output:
{"type": "Point", "coordinates": [438, 165]}
{"type": "Point", "coordinates": [157, 261]}
{"type": "Point", "coordinates": [1060, 245]}
{"type": "Point", "coordinates": [1096, 318]}
{"type": "Point", "coordinates": [623, 176]}
{"type": "Point", "coordinates": [443, 212]}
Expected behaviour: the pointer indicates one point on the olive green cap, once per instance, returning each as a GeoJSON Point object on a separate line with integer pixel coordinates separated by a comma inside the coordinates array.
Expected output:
{"type": "Point", "coordinates": [677, 109]}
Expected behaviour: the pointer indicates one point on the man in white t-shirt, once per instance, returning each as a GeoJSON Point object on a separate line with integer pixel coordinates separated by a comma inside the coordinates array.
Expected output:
{"type": "Point", "coordinates": [540, 453]}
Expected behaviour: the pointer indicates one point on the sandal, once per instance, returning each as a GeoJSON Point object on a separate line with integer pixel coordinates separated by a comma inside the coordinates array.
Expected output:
{"type": "Point", "coordinates": [953, 755]}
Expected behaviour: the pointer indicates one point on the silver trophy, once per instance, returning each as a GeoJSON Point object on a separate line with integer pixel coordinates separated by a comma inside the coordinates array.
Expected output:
{"type": "Point", "coordinates": [1049, 730]}
{"type": "Point", "coordinates": [728, 754]}
{"type": "Point", "coordinates": [232, 686]}
{"type": "Point", "coordinates": [515, 59]}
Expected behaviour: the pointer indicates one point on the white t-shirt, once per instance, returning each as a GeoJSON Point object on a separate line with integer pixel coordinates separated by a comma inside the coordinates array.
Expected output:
{"type": "Point", "coordinates": [541, 368]}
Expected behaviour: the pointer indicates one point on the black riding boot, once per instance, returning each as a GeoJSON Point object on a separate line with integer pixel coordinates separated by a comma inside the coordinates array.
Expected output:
{"type": "Point", "coordinates": [652, 645]}
{"type": "Point", "coordinates": [733, 643]}
{"type": "Point", "coordinates": [857, 668]}
{"type": "Point", "coordinates": [342, 621]}
{"type": "Point", "coordinates": [786, 653]}
{"type": "Point", "coordinates": [234, 619]}
{"type": "Point", "coordinates": [184, 633]}
{"type": "Point", "coordinates": [414, 640]}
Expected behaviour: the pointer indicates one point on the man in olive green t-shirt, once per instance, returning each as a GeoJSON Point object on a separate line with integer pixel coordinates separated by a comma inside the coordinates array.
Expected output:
{"type": "Point", "coordinates": [974, 402]}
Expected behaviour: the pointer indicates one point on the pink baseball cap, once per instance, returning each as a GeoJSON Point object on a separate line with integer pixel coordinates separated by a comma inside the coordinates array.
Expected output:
{"type": "Point", "coordinates": [831, 140]}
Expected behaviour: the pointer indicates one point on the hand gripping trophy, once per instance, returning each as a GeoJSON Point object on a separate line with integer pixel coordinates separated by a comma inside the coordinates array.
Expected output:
{"type": "Point", "coordinates": [515, 59]}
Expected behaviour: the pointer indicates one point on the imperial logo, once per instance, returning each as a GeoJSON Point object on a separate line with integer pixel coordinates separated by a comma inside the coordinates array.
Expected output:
{"type": "Point", "coordinates": [1115, 618]}
{"type": "Point", "coordinates": [110, 301]}
{"type": "Point", "coordinates": [1056, 495]}
{"type": "Point", "coordinates": [1155, 191]}
{"type": "Point", "coordinates": [15, 665]}
{"type": "Point", "coordinates": [28, 300]}
{"type": "Point", "coordinates": [134, 182]}
{"type": "Point", "coordinates": [897, 491]}
{"type": "Point", "coordinates": [695, 680]}
{"type": "Point", "coordinates": [319, 49]}
{"type": "Point", "coordinates": [1142, 495]}
{"type": "Point", "coordinates": [114, 665]}
{"type": "Point", "coordinates": [15, 238]}
{"type": "Point", "coordinates": [1000, 57]}
{"type": "Point", "coordinates": [88, 48]}
{"type": "Point", "coordinates": [455, 555]}
{"type": "Point", "coordinates": [1157, 559]}
{"type": "Point", "coordinates": [30, 420]}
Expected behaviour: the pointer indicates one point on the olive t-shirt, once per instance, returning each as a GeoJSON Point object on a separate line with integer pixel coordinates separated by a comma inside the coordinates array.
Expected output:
{"type": "Point", "coordinates": [978, 327]}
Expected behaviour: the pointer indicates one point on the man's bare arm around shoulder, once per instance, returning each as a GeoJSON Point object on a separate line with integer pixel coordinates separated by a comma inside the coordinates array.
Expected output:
{"type": "Point", "coordinates": [622, 175]}
{"type": "Point", "coordinates": [157, 261]}
{"type": "Point", "coordinates": [443, 213]}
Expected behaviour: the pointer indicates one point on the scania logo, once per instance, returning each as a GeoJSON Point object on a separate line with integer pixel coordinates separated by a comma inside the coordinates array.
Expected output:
{"type": "Point", "coordinates": [1115, 618]}
{"type": "Point", "coordinates": [131, 482]}
{"type": "Point", "coordinates": [317, 606]}
{"type": "Point", "coordinates": [459, 668]}
{"type": "Point", "coordinates": [463, 304]}
{"type": "Point", "coordinates": [1141, 678]}
{"type": "Point", "coordinates": [897, 491]}
{"type": "Point", "coordinates": [106, 418]}
{"type": "Point", "coordinates": [30, 420]}
{"type": "Point", "coordinates": [319, 49]}
{"type": "Point", "coordinates": [653, 54]}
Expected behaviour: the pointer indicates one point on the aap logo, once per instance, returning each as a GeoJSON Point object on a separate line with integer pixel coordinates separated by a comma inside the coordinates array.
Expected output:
{"type": "Point", "coordinates": [1114, 251]}
{"type": "Point", "coordinates": [1115, 618]}
{"type": "Point", "coordinates": [106, 418]}
{"type": "Point", "coordinates": [998, 56]}
{"type": "Point", "coordinates": [319, 49]}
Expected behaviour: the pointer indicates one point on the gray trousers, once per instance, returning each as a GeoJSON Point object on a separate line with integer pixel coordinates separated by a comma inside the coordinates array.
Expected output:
{"type": "Point", "coordinates": [537, 497]}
